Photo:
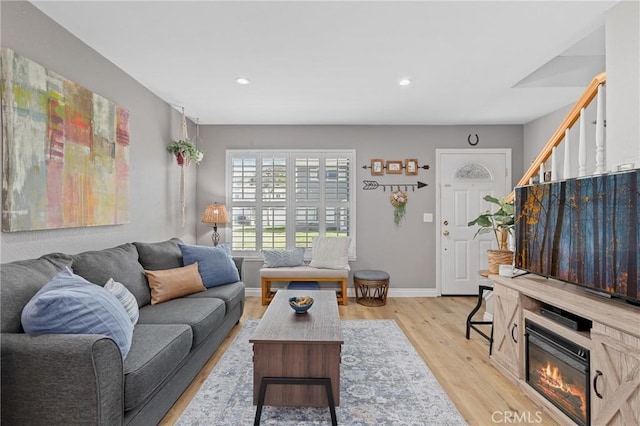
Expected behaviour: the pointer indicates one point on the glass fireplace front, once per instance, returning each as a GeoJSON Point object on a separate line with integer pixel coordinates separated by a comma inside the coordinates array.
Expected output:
{"type": "Point", "coordinates": [559, 370]}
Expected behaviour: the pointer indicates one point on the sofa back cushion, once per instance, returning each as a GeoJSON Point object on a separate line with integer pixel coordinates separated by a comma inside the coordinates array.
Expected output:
{"type": "Point", "coordinates": [21, 280]}
{"type": "Point", "coordinates": [120, 263]}
{"type": "Point", "coordinates": [159, 256]}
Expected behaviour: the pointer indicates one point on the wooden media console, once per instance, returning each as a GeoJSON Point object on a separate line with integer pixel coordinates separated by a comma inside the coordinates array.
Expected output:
{"type": "Point", "coordinates": [613, 341]}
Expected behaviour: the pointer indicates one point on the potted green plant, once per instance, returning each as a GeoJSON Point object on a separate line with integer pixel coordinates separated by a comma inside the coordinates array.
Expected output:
{"type": "Point", "coordinates": [499, 222]}
{"type": "Point", "coordinates": [185, 151]}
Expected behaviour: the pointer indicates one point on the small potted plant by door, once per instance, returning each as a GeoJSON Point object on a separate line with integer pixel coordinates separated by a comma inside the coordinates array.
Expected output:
{"type": "Point", "coordinates": [500, 223]}
{"type": "Point", "coordinates": [185, 152]}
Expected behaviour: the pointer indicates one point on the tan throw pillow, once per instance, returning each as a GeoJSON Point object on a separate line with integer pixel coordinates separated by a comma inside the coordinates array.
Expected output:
{"type": "Point", "coordinates": [173, 283]}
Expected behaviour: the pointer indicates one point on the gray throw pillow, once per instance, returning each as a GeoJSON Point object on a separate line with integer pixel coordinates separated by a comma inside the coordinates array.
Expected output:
{"type": "Point", "coordinates": [283, 258]}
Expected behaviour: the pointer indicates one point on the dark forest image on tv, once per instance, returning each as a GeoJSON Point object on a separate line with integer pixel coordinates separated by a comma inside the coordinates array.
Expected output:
{"type": "Point", "coordinates": [583, 231]}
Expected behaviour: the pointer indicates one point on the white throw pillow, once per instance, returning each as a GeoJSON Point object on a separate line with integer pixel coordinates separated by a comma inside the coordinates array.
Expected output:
{"type": "Point", "coordinates": [330, 253]}
{"type": "Point", "coordinates": [125, 297]}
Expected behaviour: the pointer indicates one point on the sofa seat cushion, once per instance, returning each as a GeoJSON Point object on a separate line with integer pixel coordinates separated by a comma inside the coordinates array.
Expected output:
{"type": "Point", "coordinates": [231, 294]}
{"type": "Point", "coordinates": [203, 315]}
{"type": "Point", "coordinates": [156, 351]}
{"type": "Point", "coordinates": [120, 263]}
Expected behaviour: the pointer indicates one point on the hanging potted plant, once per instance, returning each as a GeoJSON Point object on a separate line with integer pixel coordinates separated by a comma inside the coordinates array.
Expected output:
{"type": "Point", "coordinates": [500, 223]}
{"type": "Point", "coordinates": [185, 152]}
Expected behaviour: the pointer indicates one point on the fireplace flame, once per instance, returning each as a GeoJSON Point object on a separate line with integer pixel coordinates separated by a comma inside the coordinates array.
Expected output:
{"type": "Point", "coordinates": [551, 378]}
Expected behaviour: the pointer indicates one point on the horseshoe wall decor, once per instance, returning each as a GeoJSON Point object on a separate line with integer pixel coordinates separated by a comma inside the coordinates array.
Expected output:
{"type": "Point", "coordinates": [473, 143]}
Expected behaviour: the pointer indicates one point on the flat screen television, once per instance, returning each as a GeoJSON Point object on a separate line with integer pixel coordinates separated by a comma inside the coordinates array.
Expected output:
{"type": "Point", "coordinates": [583, 231]}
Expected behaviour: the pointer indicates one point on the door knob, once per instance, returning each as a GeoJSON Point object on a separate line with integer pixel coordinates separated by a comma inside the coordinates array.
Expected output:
{"type": "Point", "coordinates": [445, 233]}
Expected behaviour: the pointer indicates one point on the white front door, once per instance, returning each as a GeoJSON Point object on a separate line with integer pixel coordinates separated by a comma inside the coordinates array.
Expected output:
{"type": "Point", "coordinates": [464, 177]}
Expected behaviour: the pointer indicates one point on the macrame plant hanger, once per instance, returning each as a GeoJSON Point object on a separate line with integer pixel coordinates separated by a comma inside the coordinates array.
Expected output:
{"type": "Point", "coordinates": [183, 202]}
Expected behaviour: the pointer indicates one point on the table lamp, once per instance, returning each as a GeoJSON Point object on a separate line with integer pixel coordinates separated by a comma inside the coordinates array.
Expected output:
{"type": "Point", "coordinates": [215, 213]}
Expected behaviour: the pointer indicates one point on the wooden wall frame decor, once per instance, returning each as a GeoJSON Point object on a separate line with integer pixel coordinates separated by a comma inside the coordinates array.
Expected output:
{"type": "Point", "coordinates": [377, 167]}
{"type": "Point", "coordinates": [411, 166]}
{"type": "Point", "coordinates": [394, 167]}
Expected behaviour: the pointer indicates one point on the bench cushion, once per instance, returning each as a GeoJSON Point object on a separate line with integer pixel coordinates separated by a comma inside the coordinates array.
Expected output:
{"type": "Point", "coordinates": [303, 272]}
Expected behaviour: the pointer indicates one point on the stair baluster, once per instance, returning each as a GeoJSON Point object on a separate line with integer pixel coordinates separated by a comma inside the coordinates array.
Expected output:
{"type": "Point", "coordinates": [582, 146]}
{"type": "Point", "coordinates": [566, 172]}
{"type": "Point", "coordinates": [600, 160]}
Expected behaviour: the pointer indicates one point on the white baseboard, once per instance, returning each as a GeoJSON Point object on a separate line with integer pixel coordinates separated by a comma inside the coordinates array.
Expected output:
{"type": "Point", "coordinates": [487, 317]}
{"type": "Point", "coordinates": [393, 292]}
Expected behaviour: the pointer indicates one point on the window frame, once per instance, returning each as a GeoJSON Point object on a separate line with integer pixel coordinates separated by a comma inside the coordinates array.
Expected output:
{"type": "Point", "coordinates": [291, 203]}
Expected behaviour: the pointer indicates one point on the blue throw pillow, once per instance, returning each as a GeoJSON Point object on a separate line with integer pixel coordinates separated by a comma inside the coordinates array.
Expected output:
{"type": "Point", "coordinates": [283, 258]}
{"type": "Point", "coordinates": [69, 304]}
{"type": "Point", "coordinates": [215, 264]}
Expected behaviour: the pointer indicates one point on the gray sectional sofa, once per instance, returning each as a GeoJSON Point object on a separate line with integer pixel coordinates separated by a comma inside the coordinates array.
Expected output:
{"type": "Point", "coordinates": [82, 379]}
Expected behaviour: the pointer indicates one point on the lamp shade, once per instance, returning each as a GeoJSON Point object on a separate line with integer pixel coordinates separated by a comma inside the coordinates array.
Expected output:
{"type": "Point", "coordinates": [215, 213]}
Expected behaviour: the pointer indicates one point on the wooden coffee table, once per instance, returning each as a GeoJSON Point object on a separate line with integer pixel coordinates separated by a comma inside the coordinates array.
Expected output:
{"type": "Point", "coordinates": [291, 345]}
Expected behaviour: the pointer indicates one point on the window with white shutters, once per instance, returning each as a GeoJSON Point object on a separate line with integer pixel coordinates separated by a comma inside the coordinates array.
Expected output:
{"type": "Point", "coordinates": [282, 199]}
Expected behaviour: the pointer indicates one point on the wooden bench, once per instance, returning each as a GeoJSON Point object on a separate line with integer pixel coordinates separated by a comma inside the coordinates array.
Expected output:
{"type": "Point", "coordinates": [303, 273]}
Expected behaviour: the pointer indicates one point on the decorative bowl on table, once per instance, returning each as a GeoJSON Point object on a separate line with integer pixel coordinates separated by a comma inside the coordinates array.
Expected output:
{"type": "Point", "coordinates": [301, 304]}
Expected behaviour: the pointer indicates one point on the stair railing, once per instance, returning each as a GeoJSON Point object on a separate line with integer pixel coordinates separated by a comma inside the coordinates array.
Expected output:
{"type": "Point", "coordinates": [577, 112]}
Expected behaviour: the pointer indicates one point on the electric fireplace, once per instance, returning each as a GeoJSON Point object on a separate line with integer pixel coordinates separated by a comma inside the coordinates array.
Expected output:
{"type": "Point", "coordinates": [559, 370]}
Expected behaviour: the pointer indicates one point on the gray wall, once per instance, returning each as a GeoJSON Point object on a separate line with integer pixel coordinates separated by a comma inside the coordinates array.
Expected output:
{"type": "Point", "coordinates": [407, 252]}
{"type": "Point", "coordinates": [538, 132]}
{"type": "Point", "coordinates": [154, 206]}
{"type": "Point", "coordinates": [622, 32]}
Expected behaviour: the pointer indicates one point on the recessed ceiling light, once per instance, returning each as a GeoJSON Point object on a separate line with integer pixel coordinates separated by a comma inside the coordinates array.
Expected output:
{"type": "Point", "coordinates": [242, 80]}
{"type": "Point", "coordinates": [404, 82]}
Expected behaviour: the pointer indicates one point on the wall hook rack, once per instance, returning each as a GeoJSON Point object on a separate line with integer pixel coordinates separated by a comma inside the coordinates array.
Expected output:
{"type": "Point", "coordinates": [372, 184]}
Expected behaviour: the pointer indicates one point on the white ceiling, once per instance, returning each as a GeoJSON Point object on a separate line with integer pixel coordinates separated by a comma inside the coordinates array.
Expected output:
{"type": "Point", "coordinates": [339, 62]}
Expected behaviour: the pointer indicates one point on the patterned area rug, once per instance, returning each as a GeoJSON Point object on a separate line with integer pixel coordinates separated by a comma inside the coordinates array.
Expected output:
{"type": "Point", "coordinates": [383, 382]}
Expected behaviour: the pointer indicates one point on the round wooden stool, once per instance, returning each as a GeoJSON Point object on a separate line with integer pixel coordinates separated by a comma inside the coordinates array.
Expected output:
{"type": "Point", "coordinates": [371, 287]}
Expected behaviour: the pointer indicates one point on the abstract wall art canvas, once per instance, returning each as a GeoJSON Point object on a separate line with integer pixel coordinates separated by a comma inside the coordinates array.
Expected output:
{"type": "Point", "coordinates": [65, 151]}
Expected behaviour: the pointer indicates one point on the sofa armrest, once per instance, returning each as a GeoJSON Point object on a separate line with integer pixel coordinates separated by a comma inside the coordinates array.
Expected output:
{"type": "Point", "coordinates": [61, 379]}
{"type": "Point", "coordinates": [239, 261]}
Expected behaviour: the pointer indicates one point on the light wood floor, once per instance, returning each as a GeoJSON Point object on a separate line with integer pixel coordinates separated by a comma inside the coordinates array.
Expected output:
{"type": "Point", "coordinates": [436, 328]}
